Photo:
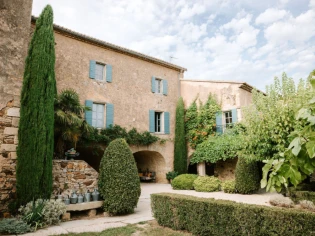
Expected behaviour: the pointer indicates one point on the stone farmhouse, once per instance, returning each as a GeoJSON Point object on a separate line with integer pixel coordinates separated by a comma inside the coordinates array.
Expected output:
{"type": "Point", "coordinates": [121, 86]}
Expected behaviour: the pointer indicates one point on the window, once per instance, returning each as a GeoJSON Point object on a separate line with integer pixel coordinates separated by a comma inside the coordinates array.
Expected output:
{"type": "Point", "coordinates": [157, 122]}
{"type": "Point", "coordinates": [228, 117]}
{"type": "Point", "coordinates": [98, 115]}
{"type": "Point", "coordinates": [99, 71]}
{"type": "Point", "coordinates": [158, 86]}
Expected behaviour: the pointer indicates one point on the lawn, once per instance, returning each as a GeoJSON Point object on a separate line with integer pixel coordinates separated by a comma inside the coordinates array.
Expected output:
{"type": "Point", "coordinates": [149, 228]}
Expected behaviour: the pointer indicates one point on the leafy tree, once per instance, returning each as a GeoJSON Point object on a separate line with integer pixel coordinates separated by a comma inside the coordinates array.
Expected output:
{"type": "Point", "coordinates": [200, 122]}
{"type": "Point", "coordinates": [180, 150]}
{"type": "Point", "coordinates": [297, 161]}
{"type": "Point", "coordinates": [69, 123]}
{"type": "Point", "coordinates": [270, 119]}
{"type": "Point", "coordinates": [119, 182]}
{"type": "Point", "coordinates": [219, 147]}
{"type": "Point", "coordinates": [36, 127]}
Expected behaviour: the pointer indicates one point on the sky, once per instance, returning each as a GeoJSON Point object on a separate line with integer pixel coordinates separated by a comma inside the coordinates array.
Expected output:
{"type": "Point", "coordinates": [244, 40]}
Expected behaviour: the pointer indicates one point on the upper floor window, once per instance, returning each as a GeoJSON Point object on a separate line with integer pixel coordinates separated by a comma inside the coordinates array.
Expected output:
{"type": "Point", "coordinates": [99, 71]}
{"type": "Point", "coordinates": [157, 122]}
{"type": "Point", "coordinates": [228, 117]}
{"type": "Point", "coordinates": [98, 115]}
{"type": "Point", "coordinates": [158, 86]}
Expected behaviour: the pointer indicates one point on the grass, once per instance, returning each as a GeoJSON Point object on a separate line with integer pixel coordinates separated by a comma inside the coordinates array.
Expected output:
{"type": "Point", "coordinates": [150, 228]}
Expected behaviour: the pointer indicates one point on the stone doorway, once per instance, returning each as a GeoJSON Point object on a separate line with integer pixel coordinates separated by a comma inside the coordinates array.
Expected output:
{"type": "Point", "coordinates": [151, 161]}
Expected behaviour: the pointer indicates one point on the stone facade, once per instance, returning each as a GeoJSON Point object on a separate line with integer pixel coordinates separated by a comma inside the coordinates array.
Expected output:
{"type": "Point", "coordinates": [73, 175]}
{"type": "Point", "coordinates": [15, 20]}
{"type": "Point", "coordinates": [230, 95]}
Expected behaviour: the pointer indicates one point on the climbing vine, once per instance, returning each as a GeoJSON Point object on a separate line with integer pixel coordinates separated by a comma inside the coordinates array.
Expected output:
{"type": "Point", "coordinates": [200, 122]}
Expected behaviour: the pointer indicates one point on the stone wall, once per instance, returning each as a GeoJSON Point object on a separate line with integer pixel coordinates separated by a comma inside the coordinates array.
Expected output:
{"type": "Point", "coordinates": [15, 20]}
{"type": "Point", "coordinates": [73, 175]}
{"type": "Point", "coordinates": [225, 170]}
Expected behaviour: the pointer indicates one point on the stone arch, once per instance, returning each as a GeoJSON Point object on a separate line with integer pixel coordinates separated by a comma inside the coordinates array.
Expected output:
{"type": "Point", "coordinates": [153, 161]}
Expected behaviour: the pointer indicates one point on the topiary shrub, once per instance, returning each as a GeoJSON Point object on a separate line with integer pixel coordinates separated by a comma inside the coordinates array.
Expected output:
{"type": "Point", "coordinates": [247, 179]}
{"type": "Point", "coordinates": [13, 226]}
{"type": "Point", "coordinates": [228, 186]}
{"type": "Point", "coordinates": [207, 184]}
{"type": "Point", "coordinates": [119, 182]}
{"type": "Point", "coordinates": [184, 182]}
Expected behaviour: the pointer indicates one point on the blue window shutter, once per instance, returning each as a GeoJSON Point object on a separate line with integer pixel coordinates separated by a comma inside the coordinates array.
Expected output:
{"type": "Point", "coordinates": [151, 121]}
{"type": "Point", "coordinates": [234, 116]}
{"type": "Point", "coordinates": [165, 87]}
{"type": "Point", "coordinates": [153, 84]}
{"type": "Point", "coordinates": [109, 73]}
{"type": "Point", "coordinates": [88, 114]}
{"type": "Point", "coordinates": [166, 122]}
{"type": "Point", "coordinates": [109, 115]}
{"type": "Point", "coordinates": [218, 119]}
{"type": "Point", "coordinates": [92, 69]}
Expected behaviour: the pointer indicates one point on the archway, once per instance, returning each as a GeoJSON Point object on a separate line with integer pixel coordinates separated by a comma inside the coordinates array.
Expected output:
{"type": "Point", "coordinates": [151, 161]}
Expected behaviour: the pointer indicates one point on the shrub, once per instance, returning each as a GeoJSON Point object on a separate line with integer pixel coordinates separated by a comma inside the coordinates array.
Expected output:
{"type": "Point", "coordinates": [119, 182]}
{"type": "Point", "coordinates": [247, 179]}
{"type": "Point", "coordinates": [184, 182]}
{"type": "Point", "coordinates": [281, 201]}
{"type": "Point", "coordinates": [180, 148]}
{"type": "Point", "coordinates": [307, 205]}
{"type": "Point", "coordinates": [206, 216]}
{"type": "Point", "coordinates": [41, 213]}
{"type": "Point", "coordinates": [171, 175]}
{"type": "Point", "coordinates": [228, 186]}
{"type": "Point", "coordinates": [13, 226]}
{"type": "Point", "coordinates": [297, 196]}
{"type": "Point", "coordinates": [207, 184]}
{"type": "Point", "coordinates": [36, 127]}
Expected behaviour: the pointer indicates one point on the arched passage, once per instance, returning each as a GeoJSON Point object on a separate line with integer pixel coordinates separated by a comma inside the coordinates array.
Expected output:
{"type": "Point", "coordinates": [152, 161]}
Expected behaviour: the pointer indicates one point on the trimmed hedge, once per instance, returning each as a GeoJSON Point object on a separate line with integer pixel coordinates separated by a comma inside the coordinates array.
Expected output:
{"type": "Point", "coordinates": [207, 184]}
{"type": "Point", "coordinates": [228, 186]}
{"type": "Point", "coordinates": [206, 216]}
{"type": "Point", "coordinates": [184, 182]}
{"type": "Point", "coordinates": [247, 178]}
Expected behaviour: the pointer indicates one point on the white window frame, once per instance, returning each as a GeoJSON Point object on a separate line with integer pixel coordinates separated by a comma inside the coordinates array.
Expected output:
{"type": "Point", "coordinates": [161, 122]}
{"type": "Point", "coordinates": [158, 86]}
{"type": "Point", "coordinates": [228, 116]}
{"type": "Point", "coordinates": [103, 74]}
{"type": "Point", "coordinates": [95, 113]}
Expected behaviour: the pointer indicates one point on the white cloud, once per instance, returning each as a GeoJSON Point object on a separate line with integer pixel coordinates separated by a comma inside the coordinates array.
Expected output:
{"type": "Point", "coordinates": [188, 12]}
{"type": "Point", "coordinates": [312, 4]}
{"type": "Point", "coordinates": [271, 15]}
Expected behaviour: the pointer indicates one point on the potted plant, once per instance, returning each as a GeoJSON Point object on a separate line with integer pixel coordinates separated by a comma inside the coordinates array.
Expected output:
{"type": "Point", "coordinates": [171, 175]}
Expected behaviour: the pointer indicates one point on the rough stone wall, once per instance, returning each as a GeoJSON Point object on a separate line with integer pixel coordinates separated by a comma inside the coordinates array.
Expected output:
{"type": "Point", "coordinates": [225, 170]}
{"type": "Point", "coordinates": [15, 19]}
{"type": "Point", "coordinates": [73, 175]}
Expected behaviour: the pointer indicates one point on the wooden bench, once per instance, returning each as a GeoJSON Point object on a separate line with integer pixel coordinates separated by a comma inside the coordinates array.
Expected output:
{"type": "Point", "coordinates": [84, 206]}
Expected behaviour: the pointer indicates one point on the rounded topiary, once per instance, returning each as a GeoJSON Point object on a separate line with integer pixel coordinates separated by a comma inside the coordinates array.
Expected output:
{"type": "Point", "coordinates": [228, 186]}
{"type": "Point", "coordinates": [207, 184]}
{"type": "Point", "coordinates": [247, 178]}
{"type": "Point", "coordinates": [184, 182]}
{"type": "Point", "coordinates": [119, 182]}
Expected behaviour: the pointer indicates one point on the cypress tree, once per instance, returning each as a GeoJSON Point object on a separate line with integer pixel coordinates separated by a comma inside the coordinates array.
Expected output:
{"type": "Point", "coordinates": [36, 127]}
{"type": "Point", "coordinates": [180, 151]}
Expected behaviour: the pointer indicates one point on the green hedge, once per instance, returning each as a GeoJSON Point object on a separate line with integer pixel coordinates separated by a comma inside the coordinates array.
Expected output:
{"type": "Point", "coordinates": [207, 184]}
{"type": "Point", "coordinates": [206, 216]}
{"type": "Point", "coordinates": [184, 182]}
{"type": "Point", "coordinates": [297, 196]}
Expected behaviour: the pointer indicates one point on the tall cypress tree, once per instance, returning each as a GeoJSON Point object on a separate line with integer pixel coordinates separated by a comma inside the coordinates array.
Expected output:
{"type": "Point", "coordinates": [36, 127]}
{"type": "Point", "coordinates": [180, 150]}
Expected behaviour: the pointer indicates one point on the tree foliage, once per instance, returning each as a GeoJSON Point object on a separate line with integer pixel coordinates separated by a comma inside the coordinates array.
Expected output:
{"type": "Point", "coordinates": [270, 119]}
{"type": "Point", "coordinates": [180, 150]}
{"type": "Point", "coordinates": [200, 123]}
{"type": "Point", "coordinates": [298, 160]}
{"type": "Point", "coordinates": [36, 127]}
{"type": "Point", "coordinates": [119, 182]}
{"type": "Point", "coordinates": [219, 147]}
{"type": "Point", "coordinates": [69, 122]}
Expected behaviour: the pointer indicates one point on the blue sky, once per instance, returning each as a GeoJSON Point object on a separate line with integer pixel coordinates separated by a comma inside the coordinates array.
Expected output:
{"type": "Point", "coordinates": [244, 40]}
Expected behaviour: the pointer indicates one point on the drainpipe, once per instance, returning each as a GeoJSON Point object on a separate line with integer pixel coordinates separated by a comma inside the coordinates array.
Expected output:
{"type": "Point", "coordinates": [179, 87]}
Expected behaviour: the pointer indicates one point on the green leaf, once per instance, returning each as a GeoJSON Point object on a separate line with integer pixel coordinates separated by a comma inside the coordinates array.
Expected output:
{"type": "Point", "coordinates": [310, 147]}
{"type": "Point", "coordinates": [295, 145]}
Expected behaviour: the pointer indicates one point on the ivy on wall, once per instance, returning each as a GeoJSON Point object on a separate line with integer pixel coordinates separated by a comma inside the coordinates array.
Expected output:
{"type": "Point", "coordinates": [200, 121]}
